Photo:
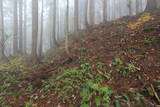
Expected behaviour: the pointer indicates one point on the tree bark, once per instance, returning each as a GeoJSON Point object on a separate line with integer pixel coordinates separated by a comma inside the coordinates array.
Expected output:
{"type": "Point", "coordinates": [105, 10]}
{"type": "Point", "coordinates": [54, 22]}
{"type": "Point", "coordinates": [15, 39]}
{"type": "Point", "coordinates": [86, 14]}
{"type": "Point", "coordinates": [34, 30]}
{"type": "Point", "coordinates": [20, 26]}
{"type": "Point", "coordinates": [151, 5]}
{"type": "Point", "coordinates": [67, 29]}
{"type": "Point", "coordinates": [2, 54]}
{"type": "Point", "coordinates": [76, 16]}
{"type": "Point", "coordinates": [25, 29]}
{"type": "Point", "coordinates": [130, 7]}
{"type": "Point", "coordinates": [92, 12]}
{"type": "Point", "coordinates": [41, 33]}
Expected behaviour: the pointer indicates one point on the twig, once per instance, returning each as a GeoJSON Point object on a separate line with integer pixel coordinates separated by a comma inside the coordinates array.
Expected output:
{"type": "Point", "coordinates": [155, 93]}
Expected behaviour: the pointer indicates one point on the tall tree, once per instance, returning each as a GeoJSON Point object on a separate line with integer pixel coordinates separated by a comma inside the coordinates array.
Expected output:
{"type": "Point", "coordinates": [67, 29]}
{"type": "Point", "coordinates": [130, 7]}
{"type": "Point", "coordinates": [105, 10]}
{"type": "Point", "coordinates": [41, 33]}
{"type": "Point", "coordinates": [20, 26]}
{"type": "Point", "coordinates": [2, 54]}
{"type": "Point", "coordinates": [86, 14]}
{"type": "Point", "coordinates": [54, 22]}
{"type": "Point", "coordinates": [76, 16]}
{"type": "Point", "coordinates": [137, 7]}
{"type": "Point", "coordinates": [92, 11]}
{"type": "Point", "coordinates": [15, 39]}
{"type": "Point", "coordinates": [34, 29]}
{"type": "Point", "coordinates": [25, 28]}
{"type": "Point", "coordinates": [151, 5]}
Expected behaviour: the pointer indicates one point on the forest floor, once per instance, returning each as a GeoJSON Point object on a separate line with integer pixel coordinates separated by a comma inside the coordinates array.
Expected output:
{"type": "Point", "coordinates": [115, 64]}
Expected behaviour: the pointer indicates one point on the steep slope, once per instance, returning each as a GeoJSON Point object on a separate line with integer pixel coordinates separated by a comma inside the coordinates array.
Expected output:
{"type": "Point", "coordinates": [116, 64]}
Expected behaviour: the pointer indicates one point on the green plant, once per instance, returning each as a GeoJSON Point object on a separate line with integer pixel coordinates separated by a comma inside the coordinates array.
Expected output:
{"type": "Point", "coordinates": [94, 91]}
{"type": "Point", "coordinates": [117, 62]}
{"type": "Point", "coordinates": [17, 64]}
{"type": "Point", "coordinates": [84, 105]}
{"type": "Point", "coordinates": [73, 81]}
{"type": "Point", "coordinates": [15, 94]}
{"type": "Point", "coordinates": [46, 85]}
{"type": "Point", "coordinates": [148, 28]}
{"type": "Point", "coordinates": [82, 50]}
{"type": "Point", "coordinates": [100, 66]}
{"type": "Point", "coordinates": [131, 68]}
{"type": "Point", "coordinates": [126, 99]}
{"type": "Point", "coordinates": [30, 87]}
{"type": "Point", "coordinates": [3, 103]}
{"type": "Point", "coordinates": [3, 88]}
{"type": "Point", "coordinates": [151, 41]}
{"type": "Point", "coordinates": [137, 97]}
{"type": "Point", "coordinates": [117, 103]}
{"type": "Point", "coordinates": [86, 66]}
{"type": "Point", "coordinates": [158, 86]}
{"type": "Point", "coordinates": [127, 70]}
{"type": "Point", "coordinates": [30, 104]}
{"type": "Point", "coordinates": [123, 99]}
{"type": "Point", "coordinates": [131, 50]}
{"type": "Point", "coordinates": [10, 77]}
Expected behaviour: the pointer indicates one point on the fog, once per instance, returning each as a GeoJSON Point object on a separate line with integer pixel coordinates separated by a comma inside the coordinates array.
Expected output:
{"type": "Point", "coordinates": [54, 19]}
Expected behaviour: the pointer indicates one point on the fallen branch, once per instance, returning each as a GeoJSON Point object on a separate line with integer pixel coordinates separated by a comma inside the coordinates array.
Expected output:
{"type": "Point", "coordinates": [155, 93]}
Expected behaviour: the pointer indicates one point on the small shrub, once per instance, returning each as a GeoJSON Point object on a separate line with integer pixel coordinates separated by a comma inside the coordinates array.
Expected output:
{"type": "Point", "coordinates": [127, 70]}
{"type": "Point", "coordinates": [148, 28]}
{"type": "Point", "coordinates": [100, 66]}
{"type": "Point", "coordinates": [82, 51]}
{"type": "Point", "coordinates": [30, 87]}
{"type": "Point", "coordinates": [86, 66]}
{"type": "Point", "coordinates": [3, 88]}
{"type": "Point", "coordinates": [131, 50]}
{"type": "Point", "coordinates": [117, 61]}
{"type": "Point", "coordinates": [16, 64]}
{"type": "Point", "coordinates": [3, 103]}
{"type": "Point", "coordinates": [151, 41]}
{"type": "Point", "coordinates": [30, 104]}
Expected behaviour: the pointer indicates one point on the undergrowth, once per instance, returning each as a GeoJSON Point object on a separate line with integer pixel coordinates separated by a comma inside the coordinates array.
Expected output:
{"type": "Point", "coordinates": [81, 82]}
{"type": "Point", "coordinates": [125, 69]}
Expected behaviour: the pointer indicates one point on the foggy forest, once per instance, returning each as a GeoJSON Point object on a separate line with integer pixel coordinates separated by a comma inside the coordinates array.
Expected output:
{"type": "Point", "coordinates": [79, 53]}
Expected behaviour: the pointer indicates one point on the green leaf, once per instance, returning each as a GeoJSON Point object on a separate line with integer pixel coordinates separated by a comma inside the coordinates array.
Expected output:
{"type": "Point", "coordinates": [85, 94]}
{"type": "Point", "coordinates": [126, 97]}
{"type": "Point", "coordinates": [84, 105]}
{"type": "Point", "coordinates": [92, 85]}
{"type": "Point", "coordinates": [117, 103]}
{"type": "Point", "coordinates": [98, 100]}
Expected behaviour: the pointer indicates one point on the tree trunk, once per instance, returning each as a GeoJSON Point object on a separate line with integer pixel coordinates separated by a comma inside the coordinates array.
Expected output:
{"type": "Point", "coordinates": [34, 30]}
{"type": "Point", "coordinates": [92, 12]}
{"type": "Point", "coordinates": [54, 22]}
{"type": "Point", "coordinates": [86, 14]}
{"type": "Point", "coordinates": [137, 6]}
{"type": "Point", "coordinates": [67, 29]}
{"type": "Point", "coordinates": [25, 29]}
{"type": "Point", "coordinates": [130, 7]}
{"type": "Point", "coordinates": [15, 39]}
{"type": "Point", "coordinates": [105, 10]}
{"type": "Point", "coordinates": [20, 27]}
{"type": "Point", "coordinates": [151, 5]}
{"type": "Point", "coordinates": [41, 33]}
{"type": "Point", "coordinates": [2, 54]}
{"type": "Point", "coordinates": [76, 16]}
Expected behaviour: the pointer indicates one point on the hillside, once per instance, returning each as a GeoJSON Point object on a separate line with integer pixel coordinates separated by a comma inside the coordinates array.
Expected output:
{"type": "Point", "coordinates": [114, 64]}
